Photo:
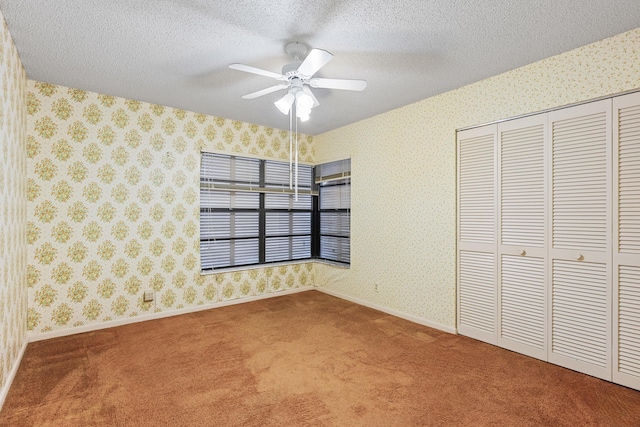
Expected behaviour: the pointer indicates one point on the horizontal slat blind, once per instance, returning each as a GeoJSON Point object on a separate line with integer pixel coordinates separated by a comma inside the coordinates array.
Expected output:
{"type": "Point", "coordinates": [629, 320]}
{"type": "Point", "coordinates": [288, 223]}
{"type": "Point", "coordinates": [477, 290]}
{"type": "Point", "coordinates": [334, 208]}
{"type": "Point", "coordinates": [215, 254]}
{"type": "Point", "coordinates": [335, 197]}
{"type": "Point", "coordinates": [335, 231]}
{"type": "Point", "coordinates": [522, 186]}
{"type": "Point", "coordinates": [287, 248]}
{"type": "Point", "coordinates": [522, 299]}
{"type": "Point", "coordinates": [335, 248]}
{"type": "Point", "coordinates": [285, 201]}
{"type": "Point", "coordinates": [336, 223]}
{"type": "Point", "coordinates": [629, 180]}
{"type": "Point", "coordinates": [277, 175]}
{"type": "Point", "coordinates": [221, 168]}
{"type": "Point", "coordinates": [331, 171]}
{"type": "Point", "coordinates": [579, 311]}
{"type": "Point", "coordinates": [210, 199]}
{"type": "Point", "coordinates": [228, 225]}
{"type": "Point", "coordinates": [242, 222]}
{"type": "Point", "coordinates": [580, 183]}
{"type": "Point", "coordinates": [477, 200]}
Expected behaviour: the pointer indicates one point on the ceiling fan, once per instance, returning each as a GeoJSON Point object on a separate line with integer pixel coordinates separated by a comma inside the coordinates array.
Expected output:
{"type": "Point", "coordinates": [297, 76]}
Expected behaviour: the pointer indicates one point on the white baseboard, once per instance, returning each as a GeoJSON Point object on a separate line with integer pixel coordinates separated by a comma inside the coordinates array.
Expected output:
{"type": "Point", "coordinates": [391, 311]}
{"type": "Point", "coordinates": [160, 315]}
{"type": "Point", "coordinates": [16, 364]}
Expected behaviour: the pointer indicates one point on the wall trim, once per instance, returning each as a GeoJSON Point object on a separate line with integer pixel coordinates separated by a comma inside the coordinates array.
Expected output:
{"type": "Point", "coordinates": [160, 315]}
{"type": "Point", "coordinates": [12, 374]}
{"type": "Point", "coordinates": [391, 311]}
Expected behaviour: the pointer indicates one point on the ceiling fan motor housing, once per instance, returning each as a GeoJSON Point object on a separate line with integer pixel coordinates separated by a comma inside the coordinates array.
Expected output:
{"type": "Point", "coordinates": [291, 69]}
{"type": "Point", "coordinates": [296, 50]}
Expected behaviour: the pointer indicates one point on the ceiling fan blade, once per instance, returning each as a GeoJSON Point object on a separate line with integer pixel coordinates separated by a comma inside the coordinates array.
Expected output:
{"type": "Point", "coordinates": [265, 91]}
{"type": "Point", "coordinates": [306, 90]}
{"type": "Point", "coordinates": [259, 71]}
{"type": "Point", "coordinates": [315, 60]}
{"type": "Point", "coordinates": [339, 84]}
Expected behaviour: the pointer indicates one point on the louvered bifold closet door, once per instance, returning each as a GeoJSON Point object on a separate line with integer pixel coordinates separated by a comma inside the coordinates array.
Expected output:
{"type": "Point", "coordinates": [521, 248]}
{"type": "Point", "coordinates": [580, 226]}
{"type": "Point", "coordinates": [477, 297]}
{"type": "Point", "coordinates": [626, 253]}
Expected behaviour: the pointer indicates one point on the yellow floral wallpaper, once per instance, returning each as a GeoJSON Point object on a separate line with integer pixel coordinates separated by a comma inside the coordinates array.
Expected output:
{"type": "Point", "coordinates": [13, 207]}
{"type": "Point", "coordinates": [403, 227]}
{"type": "Point", "coordinates": [113, 207]}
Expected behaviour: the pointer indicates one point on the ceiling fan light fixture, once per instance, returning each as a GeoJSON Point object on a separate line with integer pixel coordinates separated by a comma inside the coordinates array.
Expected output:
{"type": "Point", "coordinates": [303, 117]}
{"type": "Point", "coordinates": [304, 104]}
{"type": "Point", "coordinates": [303, 101]}
{"type": "Point", "coordinates": [284, 104]}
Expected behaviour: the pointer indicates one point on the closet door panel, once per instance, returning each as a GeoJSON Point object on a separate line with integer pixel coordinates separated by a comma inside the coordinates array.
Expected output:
{"type": "Point", "coordinates": [522, 185]}
{"type": "Point", "coordinates": [626, 257]}
{"type": "Point", "coordinates": [522, 235]}
{"type": "Point", "coordinates": [580, 243]}
{"type": "Point", "coordinates": [580, 315]}
{"type": "Point", "coordinates": [477, 202]}
{"type": "Point", "coordinates": [522, 305]}
{"type": "Point", "coordinates": [580, 167]}
{"type": "Point", "coordinates": [477, 300]}
{"type": "Point", "coordinates": [477, 314]}
{"type": "Point", "coordinates": [627, 363]}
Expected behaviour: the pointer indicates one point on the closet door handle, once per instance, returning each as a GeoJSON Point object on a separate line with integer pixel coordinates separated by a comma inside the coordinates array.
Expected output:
{"type": "Point", "coordinates": [522, 252]}
{"type": "Point", "coordinates": [578, 256]}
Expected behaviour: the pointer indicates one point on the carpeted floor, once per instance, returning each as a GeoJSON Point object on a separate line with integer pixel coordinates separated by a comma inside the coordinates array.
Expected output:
{"type": "Point", "coordinates": [305, 359]}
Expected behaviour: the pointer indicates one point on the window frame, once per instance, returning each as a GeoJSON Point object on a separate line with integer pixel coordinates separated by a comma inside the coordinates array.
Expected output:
{"type": "Point", "coordinates": [342, 214]}
{"type": "Point", "coordinates": [264, 189]}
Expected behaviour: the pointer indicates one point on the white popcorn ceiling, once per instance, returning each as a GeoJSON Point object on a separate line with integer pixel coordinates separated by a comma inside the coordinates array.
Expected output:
{"type": "Point", "coordinates": [176, 53]}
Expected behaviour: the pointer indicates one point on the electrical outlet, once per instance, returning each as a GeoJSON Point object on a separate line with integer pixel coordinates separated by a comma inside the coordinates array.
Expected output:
{"type": "Point", "coordinates": [148, 296]}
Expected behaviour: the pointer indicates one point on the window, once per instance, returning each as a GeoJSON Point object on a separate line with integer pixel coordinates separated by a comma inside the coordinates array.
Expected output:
{"type": "Point", "coordinates": [335, 210]}
{"type": "Point", "coordinates": [250, 216]}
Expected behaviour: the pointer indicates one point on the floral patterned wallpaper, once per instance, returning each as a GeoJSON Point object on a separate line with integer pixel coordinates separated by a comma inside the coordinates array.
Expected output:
{"type": "Point", "coordinates": [13, 207]}
{"type": "Point", "coordinates": [113, 207]}
{"type": "Point", "coordinates": [403, 227]}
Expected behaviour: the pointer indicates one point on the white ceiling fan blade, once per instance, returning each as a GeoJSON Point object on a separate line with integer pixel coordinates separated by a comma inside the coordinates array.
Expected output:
{"type": "Point", "coordinates": [259, 71]}
{"type": "Point", "coordinates": [265, 91]}
{"type": "Point", "coordinates": [338, 84]}
{"type": "Point", "coordinates": [315, 60]}
{"type": "Point", "coordinates": [308, 92]}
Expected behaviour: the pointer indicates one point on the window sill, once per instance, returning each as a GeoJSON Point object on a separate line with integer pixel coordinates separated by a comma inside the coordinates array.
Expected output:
{"type": "Point", "coordinates": [333, 263]}
{"type": "Point", "coordinates": [275, 264]}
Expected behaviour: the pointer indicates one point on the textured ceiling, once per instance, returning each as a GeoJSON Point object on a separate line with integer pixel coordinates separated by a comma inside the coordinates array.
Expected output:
{"type": "Point", "coordinates": [176, 53]}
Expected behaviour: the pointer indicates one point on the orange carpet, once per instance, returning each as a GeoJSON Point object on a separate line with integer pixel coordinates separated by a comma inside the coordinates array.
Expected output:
{"type": "Point", "coordinates": [305, 359]}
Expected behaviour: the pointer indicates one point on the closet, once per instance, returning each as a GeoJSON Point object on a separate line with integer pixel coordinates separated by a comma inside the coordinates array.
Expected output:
{"type": "Point", "coordinates": [549, 237]}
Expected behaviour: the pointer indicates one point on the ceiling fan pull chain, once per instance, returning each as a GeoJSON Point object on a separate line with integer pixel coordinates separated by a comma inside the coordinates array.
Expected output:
{"type": "Point", "coordinates": [290, 150]}
{"type": "Point", "coordinates": [296, 190]}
